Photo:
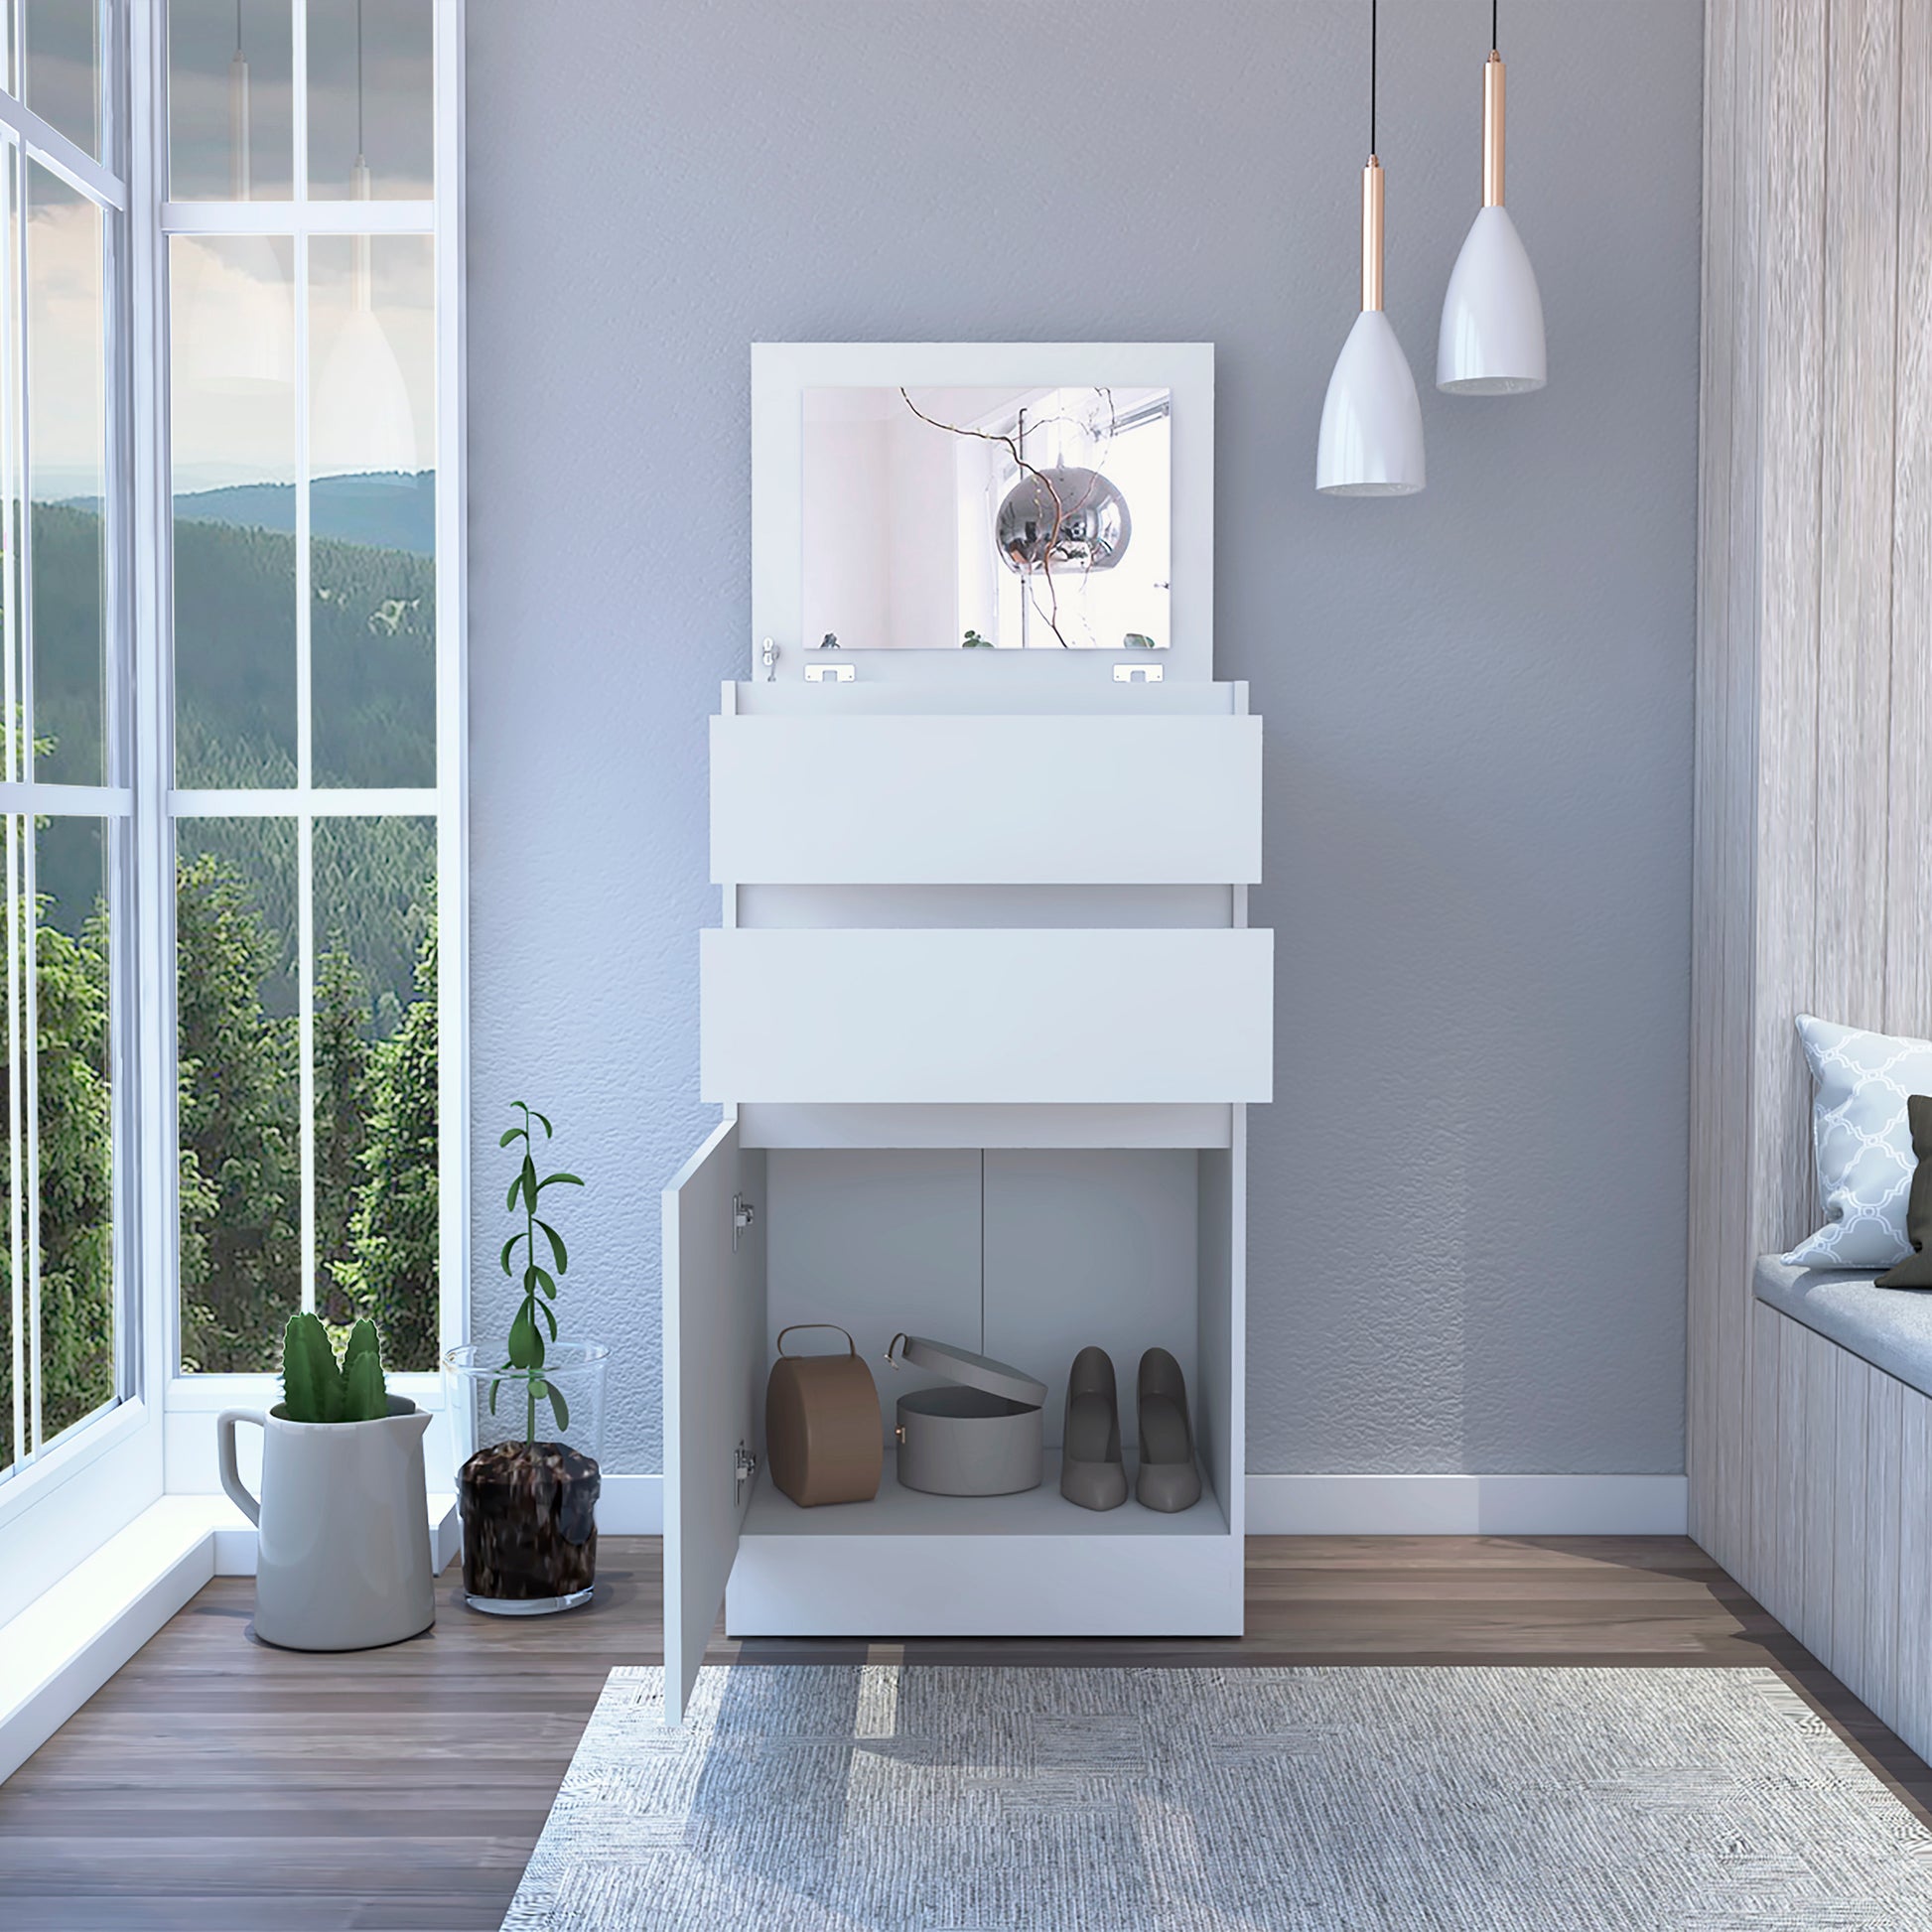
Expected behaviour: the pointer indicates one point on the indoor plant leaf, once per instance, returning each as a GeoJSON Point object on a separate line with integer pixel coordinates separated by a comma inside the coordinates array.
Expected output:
{"type": "Point", "coordinates": [557, 1249]}
{"type": "Point", "coordinates": [527, 1344]}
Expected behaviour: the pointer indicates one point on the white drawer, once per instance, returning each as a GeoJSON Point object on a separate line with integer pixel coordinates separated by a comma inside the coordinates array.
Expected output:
{"type": "Point", "coordinates": [1145, 1017]}
{"type": "Point", "coordinates": [986, 800]}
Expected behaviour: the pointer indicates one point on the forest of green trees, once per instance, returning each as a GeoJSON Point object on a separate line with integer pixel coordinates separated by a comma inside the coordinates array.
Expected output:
{"type": "Point", "coordinates": [374, 1021]}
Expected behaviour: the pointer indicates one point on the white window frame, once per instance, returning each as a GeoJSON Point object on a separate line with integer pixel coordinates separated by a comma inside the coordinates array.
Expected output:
{"type": "Point", "coordinates": [192, 1399]}
{"type": "Point", "coordinates": [82, 1486]}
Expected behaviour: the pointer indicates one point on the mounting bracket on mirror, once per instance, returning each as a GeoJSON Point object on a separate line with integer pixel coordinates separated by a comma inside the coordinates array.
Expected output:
{"type": "Point", "coordinates": [1127, 673]}
{"type": "Point", "coordinates": [829, 674]}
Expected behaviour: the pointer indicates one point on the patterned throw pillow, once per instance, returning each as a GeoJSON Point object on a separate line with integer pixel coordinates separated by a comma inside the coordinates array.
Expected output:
{"type": "Point", "coordinates": [1863, 1142]}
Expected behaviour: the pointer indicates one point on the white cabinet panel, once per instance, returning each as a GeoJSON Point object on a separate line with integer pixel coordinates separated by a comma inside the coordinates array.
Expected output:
{"type": "Point", "coordinates": [714, 1348]}
{"type": "Point", "coordinates": [963, 1017]}
{"type": "Point", "coordinates": [985, 800]}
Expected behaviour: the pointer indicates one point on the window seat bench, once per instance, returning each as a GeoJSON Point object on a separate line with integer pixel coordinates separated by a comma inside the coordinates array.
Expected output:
{"type": "Point", "coordinates": [1889, 1327]}
{"type": "Point", "coordinates": [1837, 1479]}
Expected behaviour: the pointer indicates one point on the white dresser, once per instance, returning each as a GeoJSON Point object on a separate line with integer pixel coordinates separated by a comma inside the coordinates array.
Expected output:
{"type": "Point", "coordinates": [984, 1014]}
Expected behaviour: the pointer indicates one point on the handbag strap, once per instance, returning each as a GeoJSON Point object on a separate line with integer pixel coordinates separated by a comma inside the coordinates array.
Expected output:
{"type": "Point", "coordinates": [851, 1345]}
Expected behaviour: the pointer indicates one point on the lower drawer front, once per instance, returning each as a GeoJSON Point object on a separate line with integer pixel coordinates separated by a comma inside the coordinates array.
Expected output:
{"type": "Point", "coordinates": [976, 1016]}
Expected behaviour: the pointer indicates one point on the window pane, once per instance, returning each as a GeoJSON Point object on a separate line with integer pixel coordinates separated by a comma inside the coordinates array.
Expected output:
{"type": "Point", "coordinates": [241, 1143]}
{"type": "Point", "coordinates": [74, 1111]}
{"type": "Point", "coordinates": [375, 1080]}
{"type": "Point", "coordinates": [372, 509]}
{"type": "Point", "coordinates": [64, 67]}
{"type": "Point", "coordinates": [15, 1416]}
{"type": "Point", "coordinates": [233, 433]}
{"type": "Point", "coordinates": [67, 442]}
{"type": "Point", "coordinates": [370, 97]}
{"type": "Point", "coordinates": [230, 100]}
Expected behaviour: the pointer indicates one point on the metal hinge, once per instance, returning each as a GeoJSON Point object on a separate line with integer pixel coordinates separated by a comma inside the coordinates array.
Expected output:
{"type": "Point", "coordinates": [745, 1469]}
{"type": "Point", "coordinates": [744, 1215]}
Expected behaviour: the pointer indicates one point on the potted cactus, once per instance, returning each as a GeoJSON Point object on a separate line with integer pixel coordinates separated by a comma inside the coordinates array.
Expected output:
{"type": "Point", "coordinates": [342, 1556]}
{"type": "Point", "coordinates": [531, 1417]}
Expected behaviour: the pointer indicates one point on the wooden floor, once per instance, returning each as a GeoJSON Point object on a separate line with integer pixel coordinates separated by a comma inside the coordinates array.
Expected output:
{"type": "Point", "coordinates": [219, 1784]}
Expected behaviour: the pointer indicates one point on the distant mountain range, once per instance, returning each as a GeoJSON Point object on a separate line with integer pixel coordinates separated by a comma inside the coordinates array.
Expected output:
{"type": "Point", "coordinates": [395, 512]}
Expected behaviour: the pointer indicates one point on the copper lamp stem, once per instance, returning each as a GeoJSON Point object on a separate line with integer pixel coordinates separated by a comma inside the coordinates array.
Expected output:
{"type": "Point", "coordinates": [1372, 234]}
{"type": "Point", "coordinates": [1493, 130]}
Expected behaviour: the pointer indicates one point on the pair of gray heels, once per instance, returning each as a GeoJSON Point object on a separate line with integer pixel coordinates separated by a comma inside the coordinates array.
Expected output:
{"type": "Point", "coordinates": [1092, 1473]}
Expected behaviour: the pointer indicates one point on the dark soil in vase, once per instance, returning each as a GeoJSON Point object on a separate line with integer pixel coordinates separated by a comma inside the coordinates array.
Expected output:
{"type": "Point", "coordinates": [529, 1521]}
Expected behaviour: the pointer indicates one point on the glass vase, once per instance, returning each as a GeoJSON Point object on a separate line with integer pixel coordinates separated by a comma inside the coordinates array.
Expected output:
{"type": "Point", "coordinates": [529, 1475]}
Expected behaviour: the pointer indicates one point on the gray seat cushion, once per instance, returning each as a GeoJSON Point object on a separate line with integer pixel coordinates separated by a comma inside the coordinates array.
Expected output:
{"type": "Point", "coordinates": [1890, 1327]}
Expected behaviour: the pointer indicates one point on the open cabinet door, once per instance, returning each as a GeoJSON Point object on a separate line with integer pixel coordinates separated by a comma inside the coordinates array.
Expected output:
{"type": "Point", "coordinates": [714, 1350]}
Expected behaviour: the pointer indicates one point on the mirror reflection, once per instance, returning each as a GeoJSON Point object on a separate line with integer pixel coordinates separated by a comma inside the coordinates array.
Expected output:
{"type": "Point", "coordinates": [979, 518]}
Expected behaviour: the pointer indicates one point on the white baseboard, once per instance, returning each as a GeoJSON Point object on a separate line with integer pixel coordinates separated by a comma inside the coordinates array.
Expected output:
{"type": "Point", "coordinates": [1391, 1505]}
{"type": "Point", "coordinates": [632, 1506]}
{"type": "Point", "coordinates": [1467, 1506]}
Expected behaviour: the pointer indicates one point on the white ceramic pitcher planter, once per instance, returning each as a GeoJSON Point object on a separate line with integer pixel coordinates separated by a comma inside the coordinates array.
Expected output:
{"type": "Point", "coordinates": [343, 1559]}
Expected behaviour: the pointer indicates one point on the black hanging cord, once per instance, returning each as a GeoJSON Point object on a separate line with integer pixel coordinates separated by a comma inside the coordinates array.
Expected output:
{"type": "Point", "coordinates": [358, 78]}
{"type": "Point", "coordinates": [1373, 39]}
{"type": "Point", "coordinates": [1493, 4]}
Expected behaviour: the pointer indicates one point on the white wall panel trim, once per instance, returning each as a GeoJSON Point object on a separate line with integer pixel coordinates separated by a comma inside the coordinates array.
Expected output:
{"type": "Point", "coordinates": [1467, 1506]}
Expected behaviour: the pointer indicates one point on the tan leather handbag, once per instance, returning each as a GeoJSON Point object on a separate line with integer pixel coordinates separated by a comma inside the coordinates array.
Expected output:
{"type": "Point", "coordinates": [824, 1440]}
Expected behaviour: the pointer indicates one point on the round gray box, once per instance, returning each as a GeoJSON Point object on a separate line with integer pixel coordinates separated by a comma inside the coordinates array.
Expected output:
{"type": "Point", "coordinates": [978, 1438]}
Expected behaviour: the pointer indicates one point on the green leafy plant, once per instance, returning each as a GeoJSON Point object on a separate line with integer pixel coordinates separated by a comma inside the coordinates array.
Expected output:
{"type": "Point", "coordinates": [315, 1388]}
{"type": "Point", "coordinates": [1138, 641]}
{"type": "Point", "coordinates": [535, 1313]}
{"type": "Point", "coordinates": [974, 642]}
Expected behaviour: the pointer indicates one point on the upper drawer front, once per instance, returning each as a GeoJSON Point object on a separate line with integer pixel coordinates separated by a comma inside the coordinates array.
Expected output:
{"type": "Point", "coordinates": [985, 800]}
{"type": "Point", "coordinates": [924, 1017]}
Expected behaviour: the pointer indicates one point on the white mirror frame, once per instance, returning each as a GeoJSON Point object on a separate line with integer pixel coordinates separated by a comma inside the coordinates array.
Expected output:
{"type": "Point", "coordinates": [781, 373]}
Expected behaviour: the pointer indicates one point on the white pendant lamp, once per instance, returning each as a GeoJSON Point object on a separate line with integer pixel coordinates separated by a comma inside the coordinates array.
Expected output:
{"type": "Point", "coordinates": [1371, 421]}
{"type": "Point", "coordinates": [1492, 341]}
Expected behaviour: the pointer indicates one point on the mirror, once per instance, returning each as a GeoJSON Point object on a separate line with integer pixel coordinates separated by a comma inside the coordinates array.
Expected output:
{"type": "Point", "coordinates": [987, 518]}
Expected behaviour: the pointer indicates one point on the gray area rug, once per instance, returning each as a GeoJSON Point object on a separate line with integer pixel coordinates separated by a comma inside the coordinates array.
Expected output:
{"type": "Point", "coordinates": [882, 1798]}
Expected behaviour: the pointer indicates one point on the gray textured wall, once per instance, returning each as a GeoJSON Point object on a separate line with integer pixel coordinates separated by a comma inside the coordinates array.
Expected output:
{"type": "Point", "coordinates": [1467, 1228]}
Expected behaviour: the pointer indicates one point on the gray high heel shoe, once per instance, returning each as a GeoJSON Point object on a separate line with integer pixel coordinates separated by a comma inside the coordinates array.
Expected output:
{"type": "Point", "coordinates": [1168, 1478]}
{"type": "Point", "coordinates": [1092, 1473]}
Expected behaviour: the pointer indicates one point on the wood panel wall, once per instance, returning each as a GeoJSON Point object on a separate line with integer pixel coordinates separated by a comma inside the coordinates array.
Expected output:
{"type": "Point", "coordinates": [1814, 685]}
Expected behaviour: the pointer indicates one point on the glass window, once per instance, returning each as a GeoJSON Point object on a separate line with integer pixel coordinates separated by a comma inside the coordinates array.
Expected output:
{"type": "Point", "coordinates": [370, 95]}
{"type": "Point", "coordinates": [232, 299]}
{"type": "Point", "coordinates": [62, 46]}
{"type": "Point", "coordinates": [236, 892]}
{"type": "Point", "coordinates": [375, 1074]}
{"type": "Point", "coordinates": [66, 467]}
{"type": "Point", "coordinates": [74, 1082]}
{"type": "Point", "coordinates": [372, 509]}
{"type": "Point", "coordinates": [230, 100]}
{"type": "Point", "coordinates": [308, 700]}
{"type": "Point", "coordinates": [66, 658]}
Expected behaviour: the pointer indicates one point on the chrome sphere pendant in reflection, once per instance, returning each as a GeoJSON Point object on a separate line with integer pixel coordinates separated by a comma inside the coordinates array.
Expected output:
{"type": "Point", "coordinates": [1087, 528]}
